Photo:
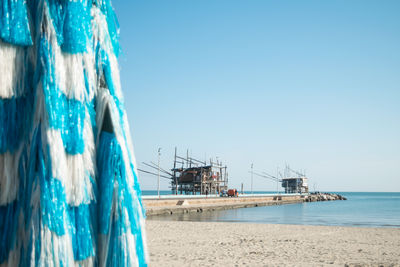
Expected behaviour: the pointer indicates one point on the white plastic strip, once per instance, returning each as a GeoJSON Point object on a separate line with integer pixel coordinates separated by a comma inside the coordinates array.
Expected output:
{"type": "Point", "coordinates": [12, 68]}
{"type": "Point", "coordinates": [9, 178]}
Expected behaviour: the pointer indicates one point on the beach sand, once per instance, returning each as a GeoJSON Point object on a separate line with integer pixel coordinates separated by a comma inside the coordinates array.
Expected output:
{"type": "Point", "coordinates": [174, 243]}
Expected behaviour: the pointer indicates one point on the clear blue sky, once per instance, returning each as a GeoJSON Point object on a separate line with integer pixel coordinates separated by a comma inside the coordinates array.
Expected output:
{"type": "Point", "coordinates": [315, 84]}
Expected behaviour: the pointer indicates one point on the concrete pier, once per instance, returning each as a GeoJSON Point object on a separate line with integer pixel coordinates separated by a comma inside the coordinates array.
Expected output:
{"type": "Point", "coordinates": [187, 204]}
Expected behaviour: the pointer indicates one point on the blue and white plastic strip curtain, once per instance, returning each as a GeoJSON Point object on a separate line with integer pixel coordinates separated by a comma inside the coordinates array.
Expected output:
{"type": "Point", "coordinates": [69, 194]}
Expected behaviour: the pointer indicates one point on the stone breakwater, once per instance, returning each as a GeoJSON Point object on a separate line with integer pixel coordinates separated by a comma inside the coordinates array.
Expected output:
{"type": "Point", "coordinates": [191, 205]}
{"type": "Point", "coordinates": [323, 197]}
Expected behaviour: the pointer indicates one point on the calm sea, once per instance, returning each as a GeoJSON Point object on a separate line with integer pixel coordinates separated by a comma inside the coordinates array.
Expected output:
{"type": "Point", "coordinates": [360, 209]}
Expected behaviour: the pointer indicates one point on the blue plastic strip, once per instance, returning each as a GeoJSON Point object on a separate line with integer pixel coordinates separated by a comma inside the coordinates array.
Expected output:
{"type": "Point", "coordinates": [112, 181]}
{"type": "Point", "coordinates": [56, 214]}
{"type": "Point", "coordinates": [8, 229]}
{"type": "Point", "coordinates": [81, 231]}
{"type": "Point", "coordinates": [14, 122]}
{"type": "Point", "coordinates": [77, 26]}
{"type": "Point", "coordinates": [31, 183]}
{"type": "Point", "coordinates": [108, 164]}
{"type": "Point", "coordinates": [72, 23]}
{"type": "Point", "coordinates": [112, 23]}
{"type": "Point", "coordinates": [9, 216]}
{"type": "Point", "coordinates": [52, 197]}
{"type": "Point", "coordinates": [120, 106]}
{"type": "Point", "coordinates": [14, 23]}
{"type": "Point", "coordinates": [65, 114]}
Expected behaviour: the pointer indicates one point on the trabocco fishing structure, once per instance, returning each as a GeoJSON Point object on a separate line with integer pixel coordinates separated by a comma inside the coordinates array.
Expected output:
{"type": "Point", "coordinates": [69, 194]}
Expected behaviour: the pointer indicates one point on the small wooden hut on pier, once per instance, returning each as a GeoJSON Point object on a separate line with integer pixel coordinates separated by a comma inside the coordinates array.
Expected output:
{"type": "Point", "coordinates": [191, 176]}
{"type": "Point", "coordinates": [198, 177]}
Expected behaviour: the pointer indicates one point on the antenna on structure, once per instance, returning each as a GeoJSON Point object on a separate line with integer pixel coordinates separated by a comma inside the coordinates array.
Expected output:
{"type": "Point", "coordinates": [252, 178]}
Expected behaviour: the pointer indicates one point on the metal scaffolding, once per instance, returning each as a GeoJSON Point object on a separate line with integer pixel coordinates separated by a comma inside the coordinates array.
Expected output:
{"type": "Point", "coordinates": [193, 176]}
{"type": "Point", "coordinates": [198, 177]}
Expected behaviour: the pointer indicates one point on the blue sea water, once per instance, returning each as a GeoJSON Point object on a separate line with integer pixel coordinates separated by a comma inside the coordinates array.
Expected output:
{"type": "Point", "coordinates": [360, 210]}
{"type": "Point", "coordinates": [154, 192]}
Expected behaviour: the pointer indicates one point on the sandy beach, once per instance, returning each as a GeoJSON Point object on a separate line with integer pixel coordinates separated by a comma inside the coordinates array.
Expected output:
{"type": "Point", "coordinates": [242, 244]}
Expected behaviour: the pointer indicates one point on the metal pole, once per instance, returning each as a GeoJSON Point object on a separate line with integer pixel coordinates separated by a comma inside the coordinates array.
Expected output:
{"type": "Point", "coordinates": [277, 180]}
{"type": "Point", "coordinates": [158, 180]}
{"type": "Point", "coordinates": [252, 178]}
{"type": "Point", "coordinates": [176, 180]}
